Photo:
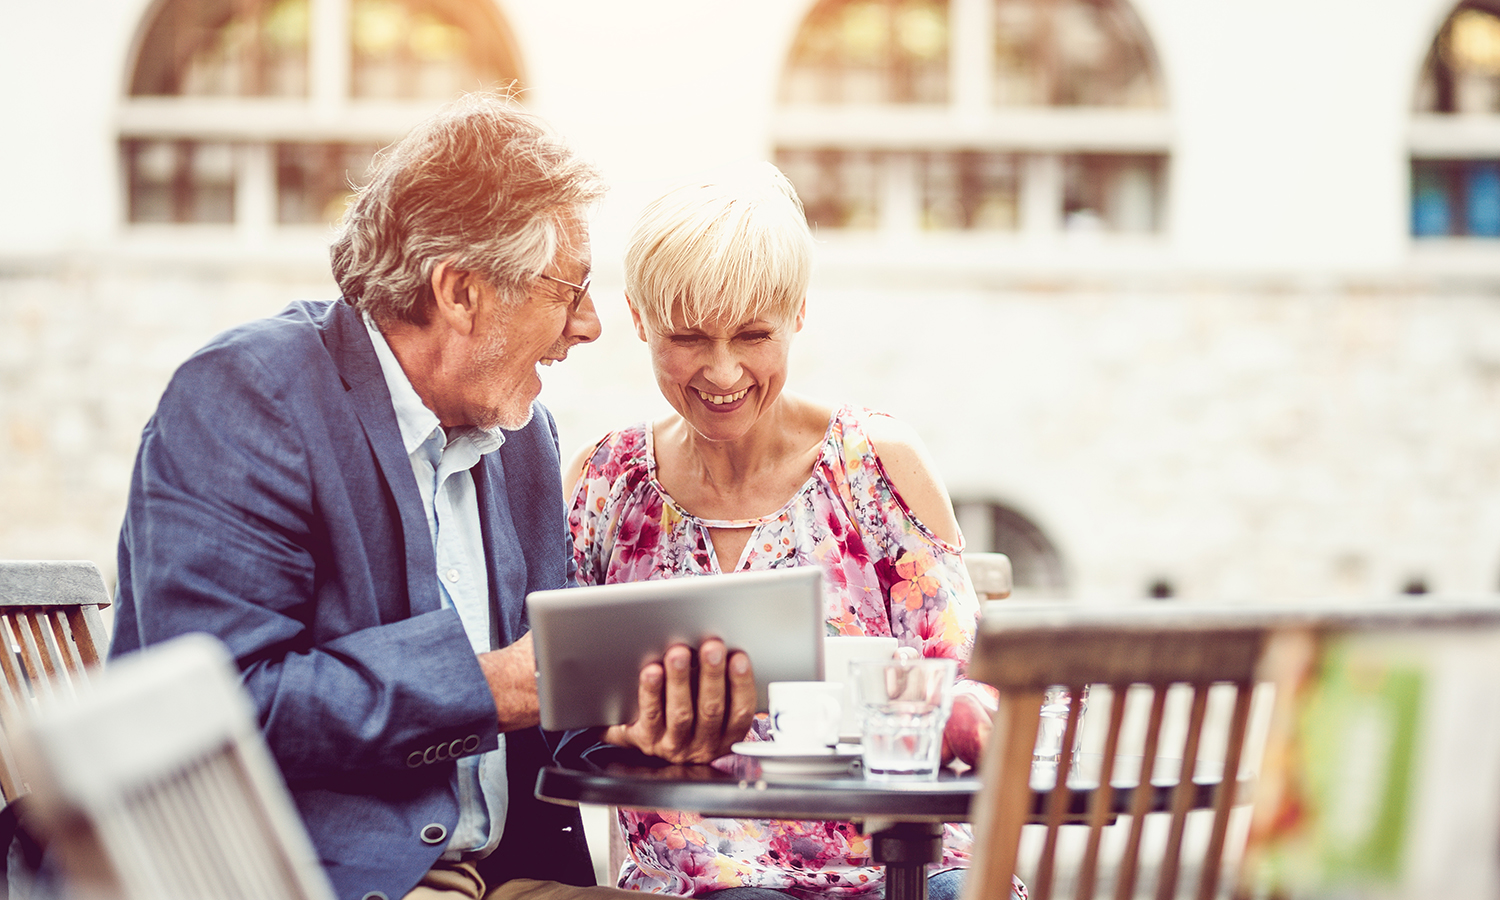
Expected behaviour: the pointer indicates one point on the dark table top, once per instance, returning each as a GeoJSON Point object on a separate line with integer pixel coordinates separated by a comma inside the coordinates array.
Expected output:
{"type": "Point", "coordinates": [735, 787]}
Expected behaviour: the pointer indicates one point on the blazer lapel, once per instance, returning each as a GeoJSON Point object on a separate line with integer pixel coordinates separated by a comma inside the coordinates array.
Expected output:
{"type": "Point", "coordinates": [349, 345]}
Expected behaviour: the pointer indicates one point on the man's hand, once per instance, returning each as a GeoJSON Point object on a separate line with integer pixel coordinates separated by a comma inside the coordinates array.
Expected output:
{"type": "Point", "coordinates": [969, 726]}
{"type": "Point", "coordinates": [511, 674]}
{"type": "Point", "coordinates": [670, 726]}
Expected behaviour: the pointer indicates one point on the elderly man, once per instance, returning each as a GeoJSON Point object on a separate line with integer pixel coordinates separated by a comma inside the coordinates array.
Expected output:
{"type": "Point", "coordinates": [356, 496]}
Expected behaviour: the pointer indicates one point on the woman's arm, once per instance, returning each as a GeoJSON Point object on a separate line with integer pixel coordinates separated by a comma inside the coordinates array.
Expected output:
{"type": "Point", "coordinates": [914, 478]}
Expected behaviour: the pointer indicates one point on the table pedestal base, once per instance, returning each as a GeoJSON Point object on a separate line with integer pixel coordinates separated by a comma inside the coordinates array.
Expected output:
{"type": "Point", "coordinates": [905, 849]}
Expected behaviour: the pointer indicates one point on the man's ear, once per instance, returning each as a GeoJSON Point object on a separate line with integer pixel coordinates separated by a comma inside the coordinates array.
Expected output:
{"type": "Point", "coordinates": [635, 316]}
{"type": "Point", "coordinates": [455, 294]}
{"type": "Point", "coordinates": [801, 313]}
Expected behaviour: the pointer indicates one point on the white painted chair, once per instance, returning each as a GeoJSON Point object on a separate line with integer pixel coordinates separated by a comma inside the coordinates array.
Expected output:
{"type": "Point", "coordinates": [155, 784]}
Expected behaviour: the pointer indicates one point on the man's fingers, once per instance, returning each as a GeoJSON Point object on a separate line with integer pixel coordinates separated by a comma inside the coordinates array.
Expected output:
{"type": "Point", "coordinates": [679, 713]}
{"type": "Point", "coordinates": [741, 695]}
{"type": "Point", "coordinates": [709, 728]}
{"type": "Point", "coordinates": [650, 715]}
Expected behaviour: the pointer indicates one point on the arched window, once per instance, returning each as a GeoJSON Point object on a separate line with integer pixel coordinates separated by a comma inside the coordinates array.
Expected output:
{"type": "Point", "coordinates": [1036, 568]}
{"type": "Point", "coordinates": [259, 113]}
{"type": "Point", "coordinates": [1455, 135]}
{"type": "Point", "coordinates": [1035, 116]}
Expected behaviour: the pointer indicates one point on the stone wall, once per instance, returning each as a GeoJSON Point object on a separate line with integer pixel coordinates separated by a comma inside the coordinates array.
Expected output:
{"type": "Point", "coordinates": [1240, 439]}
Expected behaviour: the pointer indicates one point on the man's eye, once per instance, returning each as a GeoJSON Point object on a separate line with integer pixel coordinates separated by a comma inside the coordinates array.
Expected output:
{"type": "Point", "coordinates": [753, 336]}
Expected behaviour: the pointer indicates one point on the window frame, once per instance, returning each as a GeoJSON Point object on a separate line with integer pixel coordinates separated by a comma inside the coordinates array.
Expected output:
{"type": "Point", "coordinates": [1041, 135]}
{"type": "Point", "coordinates": [255, 125]}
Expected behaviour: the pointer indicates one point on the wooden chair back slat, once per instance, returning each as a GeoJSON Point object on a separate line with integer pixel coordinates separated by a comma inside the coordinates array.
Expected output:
{"type": "Point", "coordinates": [1224, 799]}
{"type": "Point", "coordinates": [39, 672]}
{"type": "Point", "coordinates": [1183, 795]}
{"type": "Point", "coordinates": [14, 687]}
{"type": "Point", "coordinates": [1060, 799]}
{"type": "Point", "coordinates": [51, 636]}
{"type": "Point", "coordinates": [1140, 801]}
{"type": "Point", "coordinates": [1101, 806]}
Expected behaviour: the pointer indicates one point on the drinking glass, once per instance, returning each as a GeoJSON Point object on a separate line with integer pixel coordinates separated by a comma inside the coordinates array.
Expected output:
{"type": "Point", "coordinates": [904, 704]}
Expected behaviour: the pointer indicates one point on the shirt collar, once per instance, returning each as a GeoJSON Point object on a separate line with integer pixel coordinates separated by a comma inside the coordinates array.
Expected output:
{"type": "Point", "coordinates": [415, 420]}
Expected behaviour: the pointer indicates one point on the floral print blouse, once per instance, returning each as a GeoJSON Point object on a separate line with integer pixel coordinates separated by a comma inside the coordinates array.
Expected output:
{"type": "Point", "coordinates": [886, 574]}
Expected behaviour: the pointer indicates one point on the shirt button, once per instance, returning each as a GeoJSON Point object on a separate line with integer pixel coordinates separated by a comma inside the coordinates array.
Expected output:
{"type": "Point", "coordinates": [452, 575]}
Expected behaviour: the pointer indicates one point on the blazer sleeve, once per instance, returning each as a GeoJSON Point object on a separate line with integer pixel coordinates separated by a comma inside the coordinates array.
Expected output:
{"type": "Point", "coordinates": [248, 520]}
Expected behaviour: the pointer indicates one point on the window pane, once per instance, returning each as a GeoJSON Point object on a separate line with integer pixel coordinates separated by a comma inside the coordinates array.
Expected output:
{"type": "Point", "coordinates": [1072, 53]}
{"type": "Point", "coordinates": [314, 181]}
{"type": "Point", "coordinates": [1462, 72]}
{"type": "Point", "coordinates": [244, 48]}
{"type": "Point", "coordinates": [1112, 193]}
{"type": "Point", "coordinates": [968, 191]}
{"type": "Point", "coordinates": [1455, 197]}
{"type": "Point", "coordinates": [839, 188]}
{"type": "Point", "coordinates": [1432, 199]}
{"type": "Point", "coordinates": [870, 51]}
{"type": "Point", "coordinates": [426, 49]}
{"type": "Point", "coordinates": [180, 181]}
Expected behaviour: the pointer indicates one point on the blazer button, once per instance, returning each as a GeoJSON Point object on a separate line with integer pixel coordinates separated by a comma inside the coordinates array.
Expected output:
{"type": "Point", "coordinates": [375, 895]}
{"type": "Point", "coordinates": [434, 834]}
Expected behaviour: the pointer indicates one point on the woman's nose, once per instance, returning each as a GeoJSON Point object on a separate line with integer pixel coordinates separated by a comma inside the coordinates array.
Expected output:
{"type": "Point", "coordinates": [723, 368]}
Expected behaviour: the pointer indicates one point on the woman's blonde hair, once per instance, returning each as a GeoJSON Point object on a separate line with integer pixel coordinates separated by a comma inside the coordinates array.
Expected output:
{"type": "Point", "coordinates": [735, 248]}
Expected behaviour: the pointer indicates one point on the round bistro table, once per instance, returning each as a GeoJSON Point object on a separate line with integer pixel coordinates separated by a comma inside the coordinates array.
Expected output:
{"type": "Point", "coordinates": [903, 818]}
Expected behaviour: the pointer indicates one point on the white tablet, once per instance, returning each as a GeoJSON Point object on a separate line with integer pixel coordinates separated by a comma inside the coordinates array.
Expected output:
{"type": "Point", "coordinates": [591, 642]}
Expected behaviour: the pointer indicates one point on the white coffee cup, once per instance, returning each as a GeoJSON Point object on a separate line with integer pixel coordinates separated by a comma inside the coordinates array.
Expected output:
{"type": "Point", "coordinates": [805, 715]}
{"type": "Point", "coordinates": [838, 652]}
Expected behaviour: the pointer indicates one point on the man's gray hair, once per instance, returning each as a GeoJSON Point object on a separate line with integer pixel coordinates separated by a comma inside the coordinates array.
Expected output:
{"type": "Point", "coordinates": [482, 185]}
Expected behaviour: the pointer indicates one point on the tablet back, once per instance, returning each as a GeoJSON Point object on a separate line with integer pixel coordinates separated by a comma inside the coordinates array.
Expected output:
{"type": "Point", "coordinates": [591, 642]}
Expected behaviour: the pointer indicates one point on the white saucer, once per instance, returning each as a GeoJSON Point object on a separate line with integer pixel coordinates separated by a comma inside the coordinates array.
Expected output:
{"type": "Point", "coordinates": [795, 762]}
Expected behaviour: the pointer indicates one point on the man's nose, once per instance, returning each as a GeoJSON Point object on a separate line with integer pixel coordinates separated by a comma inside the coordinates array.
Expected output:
{"type": "Point", "coordinates": [583, 322]}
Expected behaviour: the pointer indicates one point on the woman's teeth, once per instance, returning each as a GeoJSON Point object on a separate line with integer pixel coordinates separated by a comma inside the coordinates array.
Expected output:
{"type": "Point", "coordinates": [721, 399]}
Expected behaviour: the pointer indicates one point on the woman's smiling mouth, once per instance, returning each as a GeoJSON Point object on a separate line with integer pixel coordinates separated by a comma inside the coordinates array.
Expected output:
{"type": "Point", "coordinates": [721, 399]}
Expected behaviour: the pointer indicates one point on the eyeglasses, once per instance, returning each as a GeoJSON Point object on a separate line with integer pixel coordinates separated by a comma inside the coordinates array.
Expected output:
{"type": "Point", "coordinates": [579, 290]}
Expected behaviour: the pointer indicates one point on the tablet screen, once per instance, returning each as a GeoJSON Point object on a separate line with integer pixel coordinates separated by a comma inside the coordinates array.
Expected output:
{"type": "Point", "coordinates": [591, 642]}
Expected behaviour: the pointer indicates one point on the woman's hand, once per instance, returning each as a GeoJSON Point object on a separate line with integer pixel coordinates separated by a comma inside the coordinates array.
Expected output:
{"type": "Point", "coordinates": [968, 728]}
{"type": "Point", "coordinates": [670, 725]}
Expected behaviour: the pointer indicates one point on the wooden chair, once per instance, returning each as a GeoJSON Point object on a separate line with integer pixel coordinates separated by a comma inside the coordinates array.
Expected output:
{"type": "Point", "coordinates": [155, 784]}
{"type": "Point", "coordinates": [1193, 649]}
{"type": "Point", "coordinates": [1022, 651]}
{"type": "Point", "coordinates": [990, 573]}
{"type": "Point", "coordinates": [50, 635]}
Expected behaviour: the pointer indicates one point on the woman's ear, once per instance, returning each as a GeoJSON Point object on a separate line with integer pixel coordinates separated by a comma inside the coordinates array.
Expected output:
{"type": "Point", "coordinates": [801, 313]}
{"type": "Point", "coordinates": [635, 316]}
{"type": "Point", "coordinates": [455, 295]}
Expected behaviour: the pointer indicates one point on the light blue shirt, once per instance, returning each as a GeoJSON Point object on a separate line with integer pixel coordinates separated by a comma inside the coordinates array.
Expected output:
{"type": "Point", "coordinates": [441, 462]}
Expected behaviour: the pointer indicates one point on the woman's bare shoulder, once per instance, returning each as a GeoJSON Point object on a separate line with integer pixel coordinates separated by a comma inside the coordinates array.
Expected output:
{"type": "Point", "coordinates": [911, 471]}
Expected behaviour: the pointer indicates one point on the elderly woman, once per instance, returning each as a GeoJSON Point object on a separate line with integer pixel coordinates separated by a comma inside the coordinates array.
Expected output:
{"type": "Point", "coordinates": [744, 476]}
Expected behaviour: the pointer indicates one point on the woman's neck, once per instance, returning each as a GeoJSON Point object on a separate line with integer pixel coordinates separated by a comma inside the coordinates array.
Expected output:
{"type": "Point", "coordinates": [750, 476]}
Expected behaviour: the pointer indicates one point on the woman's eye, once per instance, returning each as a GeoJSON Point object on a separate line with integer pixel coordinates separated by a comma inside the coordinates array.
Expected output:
{"type": "Point", "coordinates": [686, 338]}
{"type": "Point", "coordinates": [755, 336]}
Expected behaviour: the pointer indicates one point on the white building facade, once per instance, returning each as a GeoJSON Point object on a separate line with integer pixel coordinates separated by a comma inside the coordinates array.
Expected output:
{"type": "Point", "coordinates": [1186, 298]}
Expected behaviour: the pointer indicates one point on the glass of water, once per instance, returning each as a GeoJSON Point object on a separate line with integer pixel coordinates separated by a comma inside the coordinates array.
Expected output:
{"type": "Point", "coordinates": [1054, 723]}
{"type": "Point", "coordinates": [904, 705]}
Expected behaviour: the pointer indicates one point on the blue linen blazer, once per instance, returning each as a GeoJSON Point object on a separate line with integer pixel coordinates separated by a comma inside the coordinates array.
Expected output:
{"type": "Point", "coordinates": [273, 506]}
